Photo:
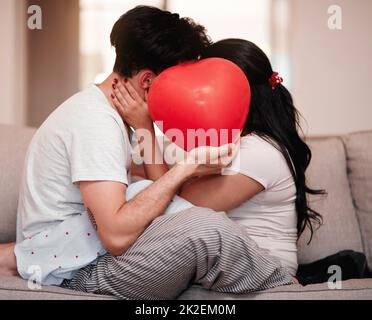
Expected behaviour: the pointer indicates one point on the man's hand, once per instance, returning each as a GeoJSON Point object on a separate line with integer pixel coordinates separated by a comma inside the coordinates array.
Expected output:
{"type": "Point", "coordinates": [131, 107]}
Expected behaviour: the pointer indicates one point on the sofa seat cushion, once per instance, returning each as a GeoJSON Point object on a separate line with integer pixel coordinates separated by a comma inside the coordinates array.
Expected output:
{"type": "Point", "coordinates": [359, 162]}
{"type": "Point", "coordinates": [340, 229]}
{"type": "Point", "coordinates": [15, 288]}
{"type": "Point", "coordinates": [358, 289]}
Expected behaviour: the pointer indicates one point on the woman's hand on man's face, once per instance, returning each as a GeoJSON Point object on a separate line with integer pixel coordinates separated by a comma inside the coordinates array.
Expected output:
{"type": "Point", "coordinates": [129, 104]}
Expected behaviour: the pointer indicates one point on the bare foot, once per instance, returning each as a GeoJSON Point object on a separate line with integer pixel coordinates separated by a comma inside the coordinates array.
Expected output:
{"type": "Point", "coordinates": [8, 263]}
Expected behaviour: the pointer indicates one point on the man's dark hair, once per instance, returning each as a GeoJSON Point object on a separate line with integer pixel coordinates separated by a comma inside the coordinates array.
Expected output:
{"type": "Point", "coordinates": [150, 38]}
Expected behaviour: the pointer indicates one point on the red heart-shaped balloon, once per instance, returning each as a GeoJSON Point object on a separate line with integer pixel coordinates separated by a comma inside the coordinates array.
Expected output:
{"type": "Point", "coordinates": [200, 103]}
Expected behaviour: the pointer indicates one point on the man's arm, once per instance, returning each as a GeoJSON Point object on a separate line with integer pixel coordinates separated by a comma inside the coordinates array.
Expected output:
{"type": "Point", "coordinates": [120, 223]}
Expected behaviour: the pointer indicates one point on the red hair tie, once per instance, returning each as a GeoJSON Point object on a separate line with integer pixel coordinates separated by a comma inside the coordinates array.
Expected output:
{"type": "Point", "coordinates": [275, 80]}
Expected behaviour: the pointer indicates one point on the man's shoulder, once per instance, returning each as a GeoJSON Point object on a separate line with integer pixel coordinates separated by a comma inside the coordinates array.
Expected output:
{"type": "Point", "coordinates": [90, 97]}
{"type": "Point", "coordinates": [87, 111]}
{"type": "Point", "coordinates": [85, 107]}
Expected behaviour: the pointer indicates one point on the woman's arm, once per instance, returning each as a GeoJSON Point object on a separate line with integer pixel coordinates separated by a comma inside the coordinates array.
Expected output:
{"type": "Point", "coordinates": [137, 170]}
{"type": "Point", "coordinates": [134, 111]}
{"type": "Point", "coordinates": [153, 161]}
{"type": "Point", "coordinates": [221, 192]}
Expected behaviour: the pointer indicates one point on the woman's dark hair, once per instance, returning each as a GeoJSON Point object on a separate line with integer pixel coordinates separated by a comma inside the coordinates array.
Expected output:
{"type": "Point", "coordinates": [149, 38]}
{"type": "Point", "coordinates": [272, 116]}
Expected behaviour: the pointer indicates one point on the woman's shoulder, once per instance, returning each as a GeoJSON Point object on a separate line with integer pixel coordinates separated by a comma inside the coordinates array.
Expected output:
{"type": "Point", "coordinates": [264, 153]}
{"type": "Point", "coordinates": [262, 146]}
{"type": "Point", "coordinates": [258, 159]}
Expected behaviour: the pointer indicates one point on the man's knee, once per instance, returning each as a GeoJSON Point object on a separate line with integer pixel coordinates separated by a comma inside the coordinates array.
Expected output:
{"type": "Point", "coordinates": [205, 222]}
{"type": "Point", "coordinates": [203, 214]}
{"type": "Point", "coordinates": [197, 223]}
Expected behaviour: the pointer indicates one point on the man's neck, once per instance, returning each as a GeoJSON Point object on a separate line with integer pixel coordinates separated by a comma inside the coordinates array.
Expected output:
{"type": "Point", "coordinates": [106, 88]}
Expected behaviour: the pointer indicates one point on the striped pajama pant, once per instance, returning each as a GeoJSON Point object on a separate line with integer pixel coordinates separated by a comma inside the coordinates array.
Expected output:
{"type": "Point", "coordinates": [195, 246]}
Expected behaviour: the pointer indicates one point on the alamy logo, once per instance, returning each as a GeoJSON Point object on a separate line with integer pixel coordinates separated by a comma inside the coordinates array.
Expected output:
{"type": "Point", "coordinates": [35, 19]}
{"type": "Point", "coordinates": [34, 279]}
{"type": "Point", "coordinates": [335, 280]}
{"type": "Point", "coordinates": [335, 18]}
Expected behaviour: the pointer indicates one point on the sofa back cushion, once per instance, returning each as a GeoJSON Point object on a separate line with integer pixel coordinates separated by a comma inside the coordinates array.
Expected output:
{"type": "Point", "coordinates": [359, 163]}
{"type": "Point", "coordinates": [13, 145]}
{"type": "Point", "coordinates": [340, 229]}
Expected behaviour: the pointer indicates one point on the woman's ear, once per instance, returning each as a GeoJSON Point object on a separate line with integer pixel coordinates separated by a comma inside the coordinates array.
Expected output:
{"type": "Point", "coordinates": [146, 78]}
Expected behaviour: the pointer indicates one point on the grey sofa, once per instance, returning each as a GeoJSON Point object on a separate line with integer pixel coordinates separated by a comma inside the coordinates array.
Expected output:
{"type": "Point", "coordinates": [341, 165]}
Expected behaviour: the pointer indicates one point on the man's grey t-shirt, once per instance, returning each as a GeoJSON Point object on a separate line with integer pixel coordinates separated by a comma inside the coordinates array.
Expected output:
{"type": "Point", "coordinates": [84, 139]}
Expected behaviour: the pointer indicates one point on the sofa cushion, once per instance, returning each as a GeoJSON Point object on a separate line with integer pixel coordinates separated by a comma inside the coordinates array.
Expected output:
{"type": "Point", "coordinates": [340, 229]}
{"type": "Point", "coordinates": [15, 288]}
{"type": "Point", "coordinates": [358, 289]}
{"type": "Point", "coordinates": [13, 145]}
{"type": "Point", "coordinates": [359, 162]}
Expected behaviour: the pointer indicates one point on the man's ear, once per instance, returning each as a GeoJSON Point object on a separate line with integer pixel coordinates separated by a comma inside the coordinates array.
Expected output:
{"type": "Point", "coordinates": [146, 78]}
